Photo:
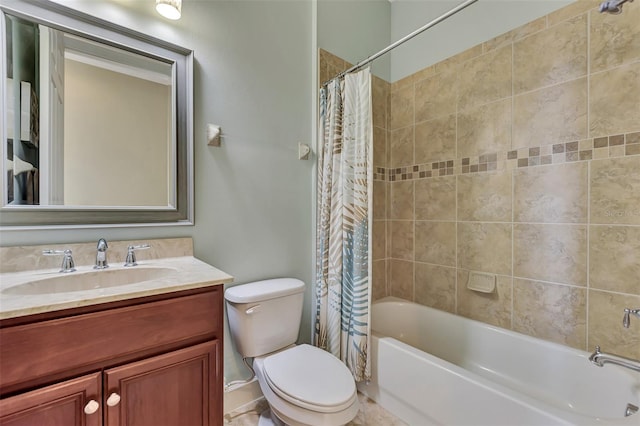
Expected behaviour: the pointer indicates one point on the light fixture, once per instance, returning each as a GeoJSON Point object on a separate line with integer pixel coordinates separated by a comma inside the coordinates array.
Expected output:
{"type": "Point", "coordinates": [170, 9]}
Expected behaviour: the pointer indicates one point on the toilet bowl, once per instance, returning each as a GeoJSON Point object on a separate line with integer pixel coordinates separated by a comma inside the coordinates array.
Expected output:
{"type": "Point", "coordinates": [304, 385]}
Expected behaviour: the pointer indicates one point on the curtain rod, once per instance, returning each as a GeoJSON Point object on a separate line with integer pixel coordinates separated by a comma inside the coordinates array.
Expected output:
{"type": "Point", "coordinates": [402, 40]}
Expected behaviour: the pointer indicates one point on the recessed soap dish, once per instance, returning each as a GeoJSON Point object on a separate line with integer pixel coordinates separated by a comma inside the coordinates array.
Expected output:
{"type": "Point", "coordinates": [481, 282]}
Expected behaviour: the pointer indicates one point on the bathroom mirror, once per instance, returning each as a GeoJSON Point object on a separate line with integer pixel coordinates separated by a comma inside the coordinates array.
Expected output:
{"type": "Point", "coordinates": [96, 121]}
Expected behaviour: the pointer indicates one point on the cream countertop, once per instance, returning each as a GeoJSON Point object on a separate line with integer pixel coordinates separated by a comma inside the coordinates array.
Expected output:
{"type": "Point", "coordinates": [186, 273]}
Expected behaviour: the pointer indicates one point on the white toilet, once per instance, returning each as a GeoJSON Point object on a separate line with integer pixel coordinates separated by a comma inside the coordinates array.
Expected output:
{"type": "Point", "coordinates": [304, 385]}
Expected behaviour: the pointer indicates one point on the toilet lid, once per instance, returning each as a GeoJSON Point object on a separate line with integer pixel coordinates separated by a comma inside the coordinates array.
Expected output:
{"type": "Point", "coordinates": [311, 378]}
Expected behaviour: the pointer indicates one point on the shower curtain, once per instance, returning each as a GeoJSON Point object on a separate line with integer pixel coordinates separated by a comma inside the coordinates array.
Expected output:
{"type": "Point", "coordinates": [343, 245]}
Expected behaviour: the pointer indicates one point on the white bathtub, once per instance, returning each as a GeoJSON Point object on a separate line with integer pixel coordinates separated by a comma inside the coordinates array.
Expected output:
{"type": "Point", "coordinates": [431, 367]}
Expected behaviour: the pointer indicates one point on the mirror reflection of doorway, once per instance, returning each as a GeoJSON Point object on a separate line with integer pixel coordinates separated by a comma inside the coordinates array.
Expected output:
{"type": "Point", "coordinates": [98, 119]}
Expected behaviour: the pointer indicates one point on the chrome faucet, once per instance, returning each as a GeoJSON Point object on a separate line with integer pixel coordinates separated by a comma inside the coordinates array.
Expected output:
{"type": "Point", "coordinates": [68, 265]}
{"type": "Point", "coordinates": [101, 255]}
{"type": "Point", "coordinates": [601, 358]}
{"type": "Point", "coordinates": [627, 314]}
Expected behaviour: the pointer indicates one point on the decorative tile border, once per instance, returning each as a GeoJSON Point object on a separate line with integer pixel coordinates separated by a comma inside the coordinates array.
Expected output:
{"type": "Point", "coordinates": [590, 149]}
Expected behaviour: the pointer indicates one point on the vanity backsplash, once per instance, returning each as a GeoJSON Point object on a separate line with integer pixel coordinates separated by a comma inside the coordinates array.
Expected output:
{"type": "Point", "coordinates": [24, 258]}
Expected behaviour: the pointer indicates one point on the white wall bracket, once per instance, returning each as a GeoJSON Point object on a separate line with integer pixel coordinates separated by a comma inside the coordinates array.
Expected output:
{"type": "Point", "coordinates": [303, 151]}
{"type": "Point", "coordinates": [214, 135]}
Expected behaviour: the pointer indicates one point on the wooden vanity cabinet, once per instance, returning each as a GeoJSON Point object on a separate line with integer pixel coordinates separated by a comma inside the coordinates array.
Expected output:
{"type": "Point", "coordinates": [171, 389]}
{"type": "Point", "coordinates": [59, 404]}
{"type": "Point", "coordinates": [148, 361]}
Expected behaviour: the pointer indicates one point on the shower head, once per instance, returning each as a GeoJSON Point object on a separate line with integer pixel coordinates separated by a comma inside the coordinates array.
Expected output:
{"type": "Point", "coordinates": [613, 7]}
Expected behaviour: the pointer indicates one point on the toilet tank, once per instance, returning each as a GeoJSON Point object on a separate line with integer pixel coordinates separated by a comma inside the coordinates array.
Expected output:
{"type": "Point", "coordinates": [264, 316]}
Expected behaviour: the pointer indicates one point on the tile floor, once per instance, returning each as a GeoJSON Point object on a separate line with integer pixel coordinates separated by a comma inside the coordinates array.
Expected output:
{"type": "Point", "coordinates": [370, 414]}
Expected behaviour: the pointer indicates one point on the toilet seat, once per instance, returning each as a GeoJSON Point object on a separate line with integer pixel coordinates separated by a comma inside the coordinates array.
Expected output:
{"type": "Point", "coordinates": [310, 378]}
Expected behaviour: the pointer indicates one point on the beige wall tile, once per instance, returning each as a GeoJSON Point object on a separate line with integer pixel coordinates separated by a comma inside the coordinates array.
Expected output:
{"type": "Point", "coordinates": [485, 79]}
{"type": "Point", "coordinates": [387, 186]}
{"type": "Point", "coordinates": [485, 247]}
{"type": "Point", "coordinates": [435, 242]}
{"type": "Point", "coordinates": [451, 63]}
{"type": "Point", "coordinates": [551, 312]}
{"type": "Point", "coordinates": [379, 280]}
{"type": "Point", "coordinates": [403, 82]}
{"type": "Point", "coordinates": [632, 150]}
{"type": "Point", "coordinates": [491, 308]}
{"type": "Point", "coordinates": [323, 73]}
{"type": "Point", "coordinates": [435, 140]}
{"type": "Point", "coordinates": [555, 253]}
{"type": "Point", "coordinates": [330, 65]}
{"type": "Point", "coordinates": [468, 99]}
{"type": "Point", "coordinates": [435, 96]}
{"type": "Point", "coordinates": [435, 286]}
{"type": "Point", "coordinates": [576, 8]}
{"type": "Point", "coordinates": [516, 34]}
{"type": "Point", "coordinates": [402, 200]}
{"type": "Point", "coordinates": [401, 147]}
{"type": "Point", "coordinates": [388, 239]}
{"type": "Point", "coordinates": [613, 108]}
{"type": "Point", "coordinates": [614, 38]}
{"type": "Point", "coordinates": [552, 56]}
{"type": "Point", "coordinates": [485, 129]}
{"type": "Point", "coordinates": [379, 200]}
{"type": "Point", "coordinates": [551, 115]}
{"type": "Point", "coordinates": [401, 239]}
{"type": "Point", "coordinates": [436, 198]}
{"type": "Point", "coordinates": [389, 164]}
{"type": "Point", "coordinates": [379, 147]}
{"type": "Point", "coordinates": [614, 258]}
{"type": "Point", "coordinates": [401, 114]}
{"type": "Point", "coordinates": [401, 279]}
{"type": "Point", "coordinates": [388, 276]}
{"type": "Point", "coordinates": [551, 194]}
{"type": "Point", "coordinates": [424, 73]}
{"type": "Point", "coordinates": [605, 324]}
{"type": "Point", "coordinates": [379, 92]}
{"type": "Point", "coordinates": [615, 190]}
{"type": "Point", "coordinates": [485, 197]}
{"type": "Point", "coordinates": [379, 243]}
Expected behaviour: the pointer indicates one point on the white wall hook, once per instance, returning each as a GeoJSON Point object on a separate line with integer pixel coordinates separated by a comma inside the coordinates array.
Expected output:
{"type": "Point", "coordinates": [213, 134]}
{"type": "Point", "coordinates": [303, 151]}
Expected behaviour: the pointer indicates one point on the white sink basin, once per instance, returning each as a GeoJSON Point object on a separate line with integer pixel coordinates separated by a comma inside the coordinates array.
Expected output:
{"type": "Point", "coordinates": [90, 280]}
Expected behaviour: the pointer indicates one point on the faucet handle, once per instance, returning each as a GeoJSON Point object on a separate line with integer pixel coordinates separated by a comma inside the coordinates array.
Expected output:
{"type": "Point", "coordinates": [131, 255]}
{"type": "Point", "coordinates": [626, 320]}
{"type": "Point", "coordinates": [102, 244]}
{"type": "Point", "coordinates": [68, 265]}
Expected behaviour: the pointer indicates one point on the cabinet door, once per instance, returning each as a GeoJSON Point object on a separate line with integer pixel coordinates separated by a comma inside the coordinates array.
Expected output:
{"type": "Point", "coordinates": [178, 388]}
{"type": "Point", "coordinates": [62, 404]}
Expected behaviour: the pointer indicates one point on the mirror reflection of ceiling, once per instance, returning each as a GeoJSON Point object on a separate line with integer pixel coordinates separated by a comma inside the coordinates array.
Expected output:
{"type": "Point", "coordinates": [119, 60]}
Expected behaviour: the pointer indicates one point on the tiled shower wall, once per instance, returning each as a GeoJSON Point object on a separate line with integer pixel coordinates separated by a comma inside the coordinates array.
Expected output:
{"type": "Point", "coordinates": [519, 157]}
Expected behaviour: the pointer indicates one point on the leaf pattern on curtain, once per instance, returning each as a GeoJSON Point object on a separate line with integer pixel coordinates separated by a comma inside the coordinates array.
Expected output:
{"type": "Point", "coordinates": [343, 269]}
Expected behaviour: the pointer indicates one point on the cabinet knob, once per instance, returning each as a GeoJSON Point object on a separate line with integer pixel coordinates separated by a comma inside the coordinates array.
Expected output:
{"type": "Point", "coordinates": [113, 400]}
{"type": "Point", "coordinates": [91, 407]}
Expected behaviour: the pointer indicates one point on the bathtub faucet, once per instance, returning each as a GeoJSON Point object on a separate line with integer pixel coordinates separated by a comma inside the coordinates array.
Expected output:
{"type": "Point", "coordinates": [602, 358]}
{"type": "Point", "coordinates": [627, 314]}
